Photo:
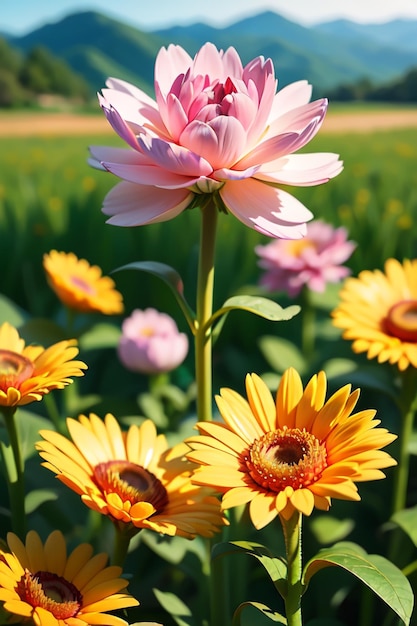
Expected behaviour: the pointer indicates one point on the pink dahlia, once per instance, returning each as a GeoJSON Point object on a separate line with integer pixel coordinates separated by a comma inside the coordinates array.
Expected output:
{"type": "Point", "coordinates": [151, 342]}
{"type": "Point", "coordinates": [313, 261]}
{"type": "Point", "coordinates": [215, 128]}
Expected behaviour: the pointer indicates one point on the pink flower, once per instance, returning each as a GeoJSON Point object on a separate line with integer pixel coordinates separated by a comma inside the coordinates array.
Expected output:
{"type": "Point", "coordinates": [216, 128]}
{"type": "Point", "coordinates": [313, 261]}
{"type": "Point", "coordinates": [151, 342]}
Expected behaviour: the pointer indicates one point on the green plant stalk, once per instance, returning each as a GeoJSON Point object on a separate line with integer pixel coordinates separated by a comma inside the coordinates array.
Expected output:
{"type": "Point", "coordinates": [408, 406]}
{"type": "Point", "coordinates": [204, 309]}
{"type": "Point", "coordinates": [123, 534]}
{"type": "Point", "coordinates": [307, 325]}
{"type": "Point", "coordinates": [15, 475]}
{"type": "Point", "coordinates": [292, 536]}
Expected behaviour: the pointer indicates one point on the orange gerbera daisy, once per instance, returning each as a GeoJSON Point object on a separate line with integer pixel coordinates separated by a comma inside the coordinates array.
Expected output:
{"type": "Point", "coordinates": [81, 286]}
{"type": "Point", "coordinates": [379, 312]}
{"type": "Point", "coordinates": [293, 454]}
{"type": "Point", "coordinates": [41, 584]}
{"type": "Point", "coordinates": [131, 476]}
{"type": "Point", "coordinates": [27, 373]}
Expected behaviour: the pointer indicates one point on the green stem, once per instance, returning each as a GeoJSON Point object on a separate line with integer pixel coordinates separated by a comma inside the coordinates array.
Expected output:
{"type": "Point", "coordinates": [203, 336]}
{"type": "Point", "coordinates": [307, 325]}
{"type": "Point", "coordinates": [292, 536]}
{"type": "Point", "coordinates": [408, 405]}
{"type": "Point", "coordinates": [121, 543]}
{"type": "Point", "coordinates": [15, 476]}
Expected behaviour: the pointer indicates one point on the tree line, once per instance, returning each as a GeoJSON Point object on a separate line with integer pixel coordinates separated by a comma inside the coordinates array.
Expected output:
{"type": "Point", "coordinates": [26, 77]}
{"type": "Point", "coordinates": [402, 90]}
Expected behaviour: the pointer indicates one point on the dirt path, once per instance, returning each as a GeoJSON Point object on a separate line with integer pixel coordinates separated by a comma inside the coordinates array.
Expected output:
{"type": "Point", "coordinates": [47, 124]}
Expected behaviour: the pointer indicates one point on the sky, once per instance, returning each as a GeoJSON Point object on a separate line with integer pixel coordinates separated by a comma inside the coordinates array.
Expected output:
{"type": "Point", "coordinates": [21, 16]}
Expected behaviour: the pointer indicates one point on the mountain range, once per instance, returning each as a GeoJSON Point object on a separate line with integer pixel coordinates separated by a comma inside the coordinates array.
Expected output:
{"type": "Point", "coordinates": [329, 54]}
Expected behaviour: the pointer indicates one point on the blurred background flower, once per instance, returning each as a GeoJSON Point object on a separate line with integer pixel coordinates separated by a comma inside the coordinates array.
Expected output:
{"type": "Point", "coordinates": [151, 342]}
{"type": "Point", "coordinates": [312, 261]}
{"type": "Point", "coordinates": [81, 286]}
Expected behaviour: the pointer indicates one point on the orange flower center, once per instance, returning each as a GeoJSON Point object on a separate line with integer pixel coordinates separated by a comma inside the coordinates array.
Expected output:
{"type": "Point", "coordinates": [83, 285]}
{"type": "Point", "coordinates": [288, 457]}
{"type": "Point", "coordinates": [401, 320]}
{"type": "Point", "coordinates": [131, 482]}
{"type": "Point", "coordinates": [14, 369]}
{"type": "Point", "coordinates": [50, 592]}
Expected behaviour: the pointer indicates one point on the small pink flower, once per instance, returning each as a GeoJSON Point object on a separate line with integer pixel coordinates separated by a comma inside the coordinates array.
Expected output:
{"type": "Point", "coordinates": [151, 342]}
{"type": "Point", "coordinates": [216, 128]}
{"type": "Point", "coordinates": [313, 261]}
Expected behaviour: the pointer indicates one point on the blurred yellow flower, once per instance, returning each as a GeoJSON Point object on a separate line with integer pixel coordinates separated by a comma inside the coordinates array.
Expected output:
{"type": "Point", "coordinates": [81, 286]}
{"type": "Point", "coordinates": [41, 585]}
{"type": "Point", "coordinates": [290, 455]}
{"type": "Point", "coordinates": [378, 311]}
{"type": "Point", "coordinates": [27, 373]}
{"type": "Point", "coordinates": [132, 477]}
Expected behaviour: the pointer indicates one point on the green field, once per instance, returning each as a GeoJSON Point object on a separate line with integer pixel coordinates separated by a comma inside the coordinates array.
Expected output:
{"type": "Point", "coordinates": [50, 199]}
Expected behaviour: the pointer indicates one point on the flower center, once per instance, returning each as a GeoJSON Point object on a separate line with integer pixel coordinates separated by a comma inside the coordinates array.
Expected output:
{"type": "Point", "coordinates": [14, 369]}
{"type": "Point", "coordinates": [131, 482]}
{"type": "Point", "coordinates": [296, 247]}
{"type": "Point", "coordinates": [401, 320]}
{"type": "Point", "coordinates": [83, 285]}
{"type": "Point", "coordinates": [286, 457]}
{"type": "Point", "coordinates": [50, 592]}
{"type": "Point", "coordinates": [220, 91]}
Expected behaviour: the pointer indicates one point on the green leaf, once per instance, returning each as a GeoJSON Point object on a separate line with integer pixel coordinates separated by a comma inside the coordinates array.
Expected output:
{"type": "Point", "coordinates": [179, 612]}
{"type": "Point", "coordinates": [282, 354]}
{"type": "Point", "coordinates": [10, 312]}
{"type": "Point", "coordinates": [328, 529]}
{"type": "Point", "coordinates": [263, 307]}
{"type": "Point", "coordinates": [100, 336]}
{"type": "Point", "coordinates": [35, 498]}
{"type": "Point", "coordinates": [244, 616]}
{"type": "Point", "coordinates": [28, 425]}
{"type": "Point", "coordinates": [275, 566]}
{"type": "Point", "coordinates": [379, 574]}
{"type": "Point", "coordinates": [324, 621]}
{"type": "Point", "coordinates": [407, 521]}
{"type": "Point", "coordinates": [171, 278]}
{"type": "Point", "coordinates": [42, 331]}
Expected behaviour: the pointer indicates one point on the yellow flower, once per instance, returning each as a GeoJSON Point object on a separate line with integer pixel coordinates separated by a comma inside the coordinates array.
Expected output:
{"type": "Point", "coordinates": [131, 476]}
{"type": "Point", "coordinates": [293, 454]}
{"type": "Point", "coordinates": [27, 373]}
{"type": "Point", "coordinates": [40, 583]}
{"type": "Point", "coordinates": [81, 286]}
{"type": "Point", "coordinates": [379, 312]}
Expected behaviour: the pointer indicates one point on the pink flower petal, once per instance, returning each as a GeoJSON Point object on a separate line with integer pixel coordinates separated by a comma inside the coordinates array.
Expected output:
{"type": "Point", "coordinates": [297, 119]}
{"type": "Point", "coordinates": [220, 142]}
{"type": "Point", "coordinates": [269, 150]}
{"type": "Point", "coordinates": [170, 62]}
{"type": "Point", "coordinates": [134, 205]}
{"type": "Point", "coordinates": [173, 158]}
{"type": "Point", "coordinates": [268, 210]}
{"type": "Point", "coordinates": [118, 123]}
{"type": "Point", "coordinates": [290, 97]}
{"type": "Point", "coordinates": [301, 169]}
{"type": "Point", "coordinates": [150, 175]}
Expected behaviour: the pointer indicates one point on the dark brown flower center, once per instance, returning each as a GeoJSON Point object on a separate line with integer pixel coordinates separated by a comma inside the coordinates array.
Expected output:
{"type": "Point", "coordinates": [14, 369]}
{"type": "Point", "coordinates": [401, 320]}
{"type": "Point", "coordinates": [131, 482]}
{"type": "Point", "coordinates": [50, 592]}
{"type": "Point", "coordinates": [286, 457]}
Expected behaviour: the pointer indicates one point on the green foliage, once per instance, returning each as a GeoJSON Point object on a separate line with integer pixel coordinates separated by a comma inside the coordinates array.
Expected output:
{"type": "Point", "coordinates": [39, 72]}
